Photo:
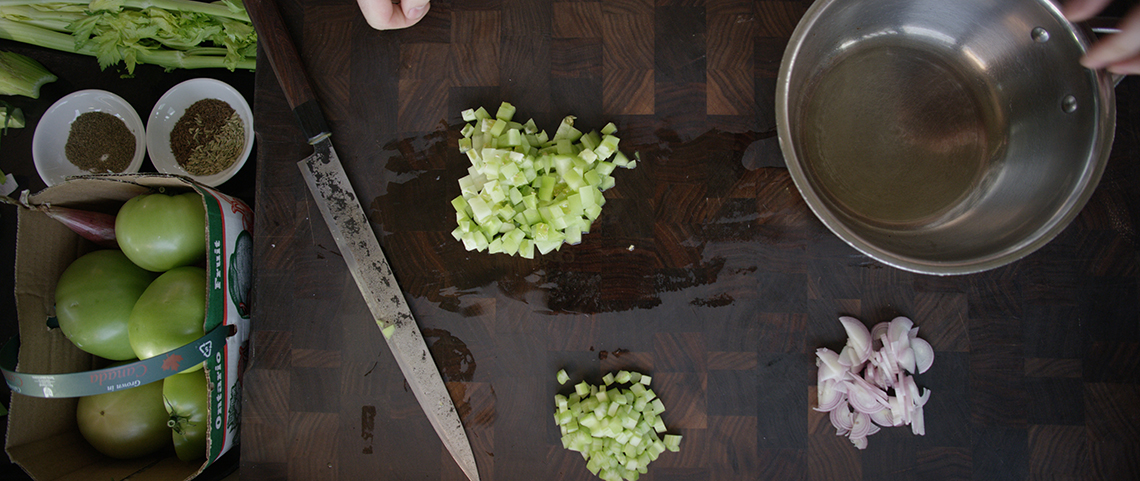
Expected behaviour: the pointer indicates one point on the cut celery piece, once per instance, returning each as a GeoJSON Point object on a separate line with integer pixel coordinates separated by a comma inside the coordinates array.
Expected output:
{"type": "Point", "coordinates": [582, 388]}
{"type": "Point", "coordinates": [607, 147]}
{"type": "Point", "coordinates": [479, 208]}
{"type": "Point", "coordinates": [566, 129]}
{"type": "Point", "coordinates": [506, 112]}
{"type": "Point", "coordinates": [526, 249]}
{"type": "Point", "coordinates": [562, 378]}
{"type": "Point", "coordinates": [546, 190]}
{"type": "Point", "coordinates": [460, 205]}
{"type": "Point", "coordinates": [388, 330]}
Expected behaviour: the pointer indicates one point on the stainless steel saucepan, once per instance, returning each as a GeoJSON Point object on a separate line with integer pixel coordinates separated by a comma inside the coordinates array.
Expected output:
{"type": "Point", "coordinates": [943, 136]}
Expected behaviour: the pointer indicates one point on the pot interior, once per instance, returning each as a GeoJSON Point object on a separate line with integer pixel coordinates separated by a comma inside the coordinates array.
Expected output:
{"type": "Point", "coordinates": [942, 136]}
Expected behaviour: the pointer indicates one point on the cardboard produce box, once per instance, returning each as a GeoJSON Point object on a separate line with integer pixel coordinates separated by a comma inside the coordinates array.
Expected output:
{"type": "Point", "coordinates": [43, 437]}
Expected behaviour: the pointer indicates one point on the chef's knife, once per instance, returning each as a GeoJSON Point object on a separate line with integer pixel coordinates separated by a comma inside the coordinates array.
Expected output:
{"type": "Point", "coordinates": [345, 218]}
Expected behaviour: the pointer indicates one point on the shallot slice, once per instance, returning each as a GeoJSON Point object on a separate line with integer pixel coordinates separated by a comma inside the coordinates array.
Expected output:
{"type": "Point", "coordinates": [917, 422]}
{"type": "Point", "coordinates": [829, 397]}
{"type": "Point", "coordinates": [920, 401]}
{"type": "Point", "coordinates": [899, 328]}
{"type": "Point", "coordinates": [828, 362]}
{"type": "Point", "coordinates": [877, 332]}
{"type": "Point", "coordinates": [841, 419]}
{"type": "Point", "coordinates": [906, 359]}
{"type": "Point", "coordinates": [858, 337]}
{"type": "Point", "coordinates": [863, 400]}
{"type": "Point", "coordinates": [883, 418]}
{"type": "Point", "coordinates": [923, 354]}
{"type": "Point", "coordinates": [860, 425]}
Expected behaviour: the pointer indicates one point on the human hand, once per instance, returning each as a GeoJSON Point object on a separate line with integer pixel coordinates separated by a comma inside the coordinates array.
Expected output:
{"type": "Point", "coordinates": [1120, 52]}
{"type": "Point", "coordinates": [393, 14]}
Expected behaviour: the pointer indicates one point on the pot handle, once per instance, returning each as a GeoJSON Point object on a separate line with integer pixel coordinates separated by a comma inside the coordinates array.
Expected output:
{"type": "Point", "coordinates": [1100, 27]}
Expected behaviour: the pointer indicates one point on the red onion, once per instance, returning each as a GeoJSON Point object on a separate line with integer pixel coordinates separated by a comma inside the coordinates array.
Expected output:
{"type": "Point", "coordinates": [96, 227]}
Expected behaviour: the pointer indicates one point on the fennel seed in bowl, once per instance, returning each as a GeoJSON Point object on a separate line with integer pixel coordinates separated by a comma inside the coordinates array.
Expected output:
{"type": "Point", "coordinates": [208, 138]}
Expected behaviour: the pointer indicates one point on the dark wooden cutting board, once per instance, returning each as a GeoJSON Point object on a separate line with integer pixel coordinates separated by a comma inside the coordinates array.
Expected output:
{"type": "Point", "coordinates": [706, 269]}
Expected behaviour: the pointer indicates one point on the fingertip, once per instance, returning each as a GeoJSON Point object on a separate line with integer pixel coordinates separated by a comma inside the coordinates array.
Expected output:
{"type": "Point", "coordinates": [1081, 10]}
{"type": "Point", "coordinates": [415, 13]}
{"type": "Point", "coordinates": [1092, 63]}
{"type": "Point", "coordinates": [1129, 67]}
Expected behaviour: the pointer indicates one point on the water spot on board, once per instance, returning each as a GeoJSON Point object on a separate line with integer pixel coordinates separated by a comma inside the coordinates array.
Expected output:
{"type": "Point", "coordinates": [763, 153]}
{"type": "Point", "coordinates": [451, 354]}
{"type": "Point", "coordinates": [367, 426]}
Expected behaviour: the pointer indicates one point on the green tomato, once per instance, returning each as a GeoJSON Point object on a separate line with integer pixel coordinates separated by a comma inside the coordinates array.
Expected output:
{"type": "Point", "coordinates": [93, 300]}
{"type": "Point", "coordinates": [160, 232]}
{"type": "Point", "coordinates": [187, 401]}
{"type": "Point", "coordinates": [125, 424]}
{"type": "Point", "coordinates": [169, 314]}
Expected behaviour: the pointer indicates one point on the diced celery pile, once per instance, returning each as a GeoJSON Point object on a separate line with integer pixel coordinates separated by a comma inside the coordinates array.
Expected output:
{"type": "Point", "coordinates": [615, 428]}
{"type": "Point", "coordinates": [526, 190]}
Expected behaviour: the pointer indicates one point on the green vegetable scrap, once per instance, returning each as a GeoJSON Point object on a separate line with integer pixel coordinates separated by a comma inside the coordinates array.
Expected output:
{"type": "Point", "coordinates": [614, 428]}
{"type": "Point", "coordinates": [21, 75]}
{"type": "Point", "coordinates": [526, 190]}
{"type": "Point", "coordinates": [10, 117]}
{"type": "Point", "coordinates": [169, 33]}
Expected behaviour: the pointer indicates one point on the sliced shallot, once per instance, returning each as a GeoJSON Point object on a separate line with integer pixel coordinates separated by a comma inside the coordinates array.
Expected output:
{"type": "Point", "coordinates": [917, 423]}
{"type": "Point", "coordinates": [841, 419]}
{"type": "Point", "coordinates": [869, 383]}
{"type": "Point", "coordinates": [883, 418]}
{"type": "Point", "coordinates": [877, 332]}
{"type": "Point", "coordinates": [861, 425]}
{"type": "Point", "coordinates": [829, 397]}
{"type": "Point", "coordinates": [828, 362]}
{"type": "Point", "coordinates": [899, 328]}
{"type": "Point", "coordinates": [858, 337]}
{"type": "Point", "coordinates": [923, 354]}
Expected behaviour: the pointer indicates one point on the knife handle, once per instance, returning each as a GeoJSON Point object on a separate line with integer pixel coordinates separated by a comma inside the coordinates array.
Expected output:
{"type": "Point", "coordinates": [273, 38]}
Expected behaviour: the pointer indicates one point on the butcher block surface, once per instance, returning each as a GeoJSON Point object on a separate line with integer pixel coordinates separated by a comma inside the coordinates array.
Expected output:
{"type": "Point", "coordinates": [706, 269]}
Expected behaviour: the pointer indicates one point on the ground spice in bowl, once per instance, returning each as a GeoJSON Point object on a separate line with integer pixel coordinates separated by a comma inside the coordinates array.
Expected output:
{"type": "Point", "coordinates": [208, 138]}
{"type": "Point", "coordinates": [99, 142]}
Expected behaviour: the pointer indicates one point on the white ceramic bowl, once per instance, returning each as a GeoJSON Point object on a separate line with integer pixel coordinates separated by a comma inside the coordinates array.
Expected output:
{"type": "Point", "coordinates": [53, 129]}
{"type": "Point", "coordinates": [170, 108]}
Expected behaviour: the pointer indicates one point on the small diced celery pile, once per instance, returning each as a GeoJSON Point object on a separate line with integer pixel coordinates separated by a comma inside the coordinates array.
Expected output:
{"type": "Point", "coordinates": [617, 429]}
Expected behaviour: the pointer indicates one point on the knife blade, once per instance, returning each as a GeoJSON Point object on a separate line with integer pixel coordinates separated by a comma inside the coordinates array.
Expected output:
{"type": "Point", "coordinates": [342, 212]}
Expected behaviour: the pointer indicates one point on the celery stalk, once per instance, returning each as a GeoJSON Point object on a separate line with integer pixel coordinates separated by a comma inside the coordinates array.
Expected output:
{"type": "Point", "coordinates": [21, 75]}
{"type": "Point", "coordinates": [168, 33]}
